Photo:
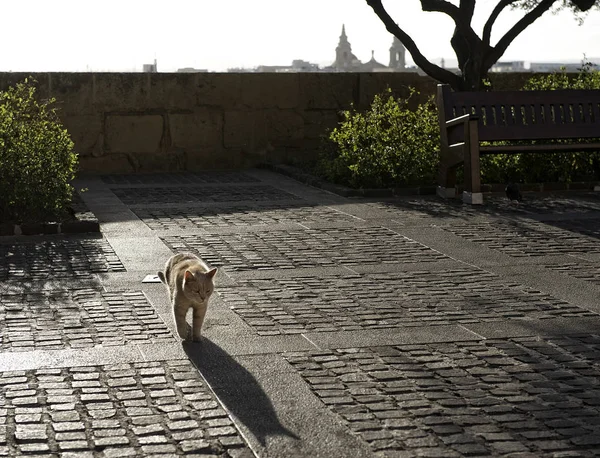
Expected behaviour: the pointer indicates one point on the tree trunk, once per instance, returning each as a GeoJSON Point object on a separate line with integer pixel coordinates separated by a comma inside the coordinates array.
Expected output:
{"type": "Point", "coordinates": [470, 55]}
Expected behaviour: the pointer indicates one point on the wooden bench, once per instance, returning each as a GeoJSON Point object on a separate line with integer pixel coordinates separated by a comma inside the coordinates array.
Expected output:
{"type": "Point", "coordinates": [468, 118]}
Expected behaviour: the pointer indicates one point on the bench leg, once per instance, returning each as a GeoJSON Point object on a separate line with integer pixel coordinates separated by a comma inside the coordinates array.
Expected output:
{"type": "Point", "coordinates": [472, 193]}
{"type": "Point", "coordinates": [446, 181]}
{"type": "Point", "coordinates": [473, 198]}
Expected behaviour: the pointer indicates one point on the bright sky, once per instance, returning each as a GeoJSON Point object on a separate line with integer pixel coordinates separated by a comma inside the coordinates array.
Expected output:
{"type": "Point", "coordinates": [122, 35]}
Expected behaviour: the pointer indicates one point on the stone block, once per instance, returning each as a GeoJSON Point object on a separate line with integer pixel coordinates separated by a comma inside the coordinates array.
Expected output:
{"type": "Point", "coordinates": [120, 91]}
{"type": "Point", "coordinates": [74, 92]}
{"type": "Point", "coordinates": [317, 123]}
{"type": "Point", "coordinates": [133, 133]}
{"type": "Point", "coordinates": [85, 131]}
{"type": "Point", "coordinates": [234, 158]}
{"type": "Point", "coordinates": [197, 131]}
{"type": "Point", "coordinates": [109, 163]}
{"type": "Point", "coordinates": [473, 198]}
{"type": "Point", "coordinates": [244, 129]}
{"type": "Point", "coordinates": [171, 91]}
{"type": "Point", "coordinates": [41, 82]}
{"type": "Point", "coordinates": [284, 127]}
{"type": "Point", "coordinates": [269, 90]}
{"type": "Point", "coordinates": [218, 90]}
{"type": "Point", "coordinates": [158, 162]}
{"type": "Point", "coordinates": [333, 91]}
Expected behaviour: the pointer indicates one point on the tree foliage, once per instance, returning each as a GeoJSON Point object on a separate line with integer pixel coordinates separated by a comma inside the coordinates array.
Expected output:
{"type": "Point", "coordinates": [37, 162]}
{"type": "Point", "coordinates": [476, 54]}
{"type": "Point", "coordinates": [388, 145]}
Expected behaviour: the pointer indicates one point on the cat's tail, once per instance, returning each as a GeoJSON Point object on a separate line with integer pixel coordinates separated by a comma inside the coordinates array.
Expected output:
{"type": "Point", "coordinates": [162, 277]}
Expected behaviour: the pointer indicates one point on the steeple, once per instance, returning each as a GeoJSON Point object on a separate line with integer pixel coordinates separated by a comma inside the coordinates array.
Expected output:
{"type": "Point", "coordinates": [397, 55]}
{"type": "Point", "coordinates": [343, 52]}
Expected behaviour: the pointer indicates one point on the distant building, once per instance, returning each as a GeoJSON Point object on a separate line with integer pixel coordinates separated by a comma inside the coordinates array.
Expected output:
{"type": "Point", "coordinates": [298, 65]}
{"type": "Point", "coordinates": [550, 67]}
{"type": "Point", "coordinates": [150, 68]}
{"type": "Point", "coordinates": [502, 67]}
{"type": "Point", "coordinates": [397, 55]}
{"type": "Point", "coordinates": [346, 61]}
{"type": "Point", "coordinates": [191, 70]}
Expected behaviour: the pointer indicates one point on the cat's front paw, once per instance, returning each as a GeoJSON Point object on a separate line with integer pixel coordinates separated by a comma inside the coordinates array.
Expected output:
{"type": "Point", "coordinates": [197, 338]}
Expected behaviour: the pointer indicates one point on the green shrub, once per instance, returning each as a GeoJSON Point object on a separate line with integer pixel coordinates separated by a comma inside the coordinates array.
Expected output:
{"type": "Point", "coordinates": [388, 145]}
{"type": "Point", "coordinates": [37, 161]}
{"type": "Point", "coordinates": [546, 167]}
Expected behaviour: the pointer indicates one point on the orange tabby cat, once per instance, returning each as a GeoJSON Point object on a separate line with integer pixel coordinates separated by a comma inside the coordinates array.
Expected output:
{"type": "Point", "coordinates": [190, 284]}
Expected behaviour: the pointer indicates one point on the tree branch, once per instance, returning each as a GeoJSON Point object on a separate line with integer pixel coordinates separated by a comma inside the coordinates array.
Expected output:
{"type": "Point", "coordinates": [461, 16]}
{"type": "Point", "coordinates": [441, 6]}
{"type": "Point", "coordinates": [467, 7]}
{"type": "Point", "coordinates": [497, 51]}
{"type": "Point", "coordinates": [431, 69]}
{"type": "Point", "coordinates": [487, 29]}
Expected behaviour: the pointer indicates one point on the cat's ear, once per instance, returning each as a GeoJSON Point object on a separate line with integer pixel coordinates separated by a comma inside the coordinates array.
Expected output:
{"type": "Point", "coordinates": [188, 275]}
{"type": "Point", "coordinates": [211, 273]}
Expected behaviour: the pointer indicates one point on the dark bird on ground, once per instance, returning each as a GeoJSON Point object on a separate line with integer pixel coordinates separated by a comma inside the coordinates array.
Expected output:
{"type": "Point", "coordinates": [513, 192]}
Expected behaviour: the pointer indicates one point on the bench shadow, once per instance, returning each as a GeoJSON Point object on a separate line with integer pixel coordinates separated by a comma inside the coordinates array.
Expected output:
{"type": "Point", "coordinates": [237, 389]}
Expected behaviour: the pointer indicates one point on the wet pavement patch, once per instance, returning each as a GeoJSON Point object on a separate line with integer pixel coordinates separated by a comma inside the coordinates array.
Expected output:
{"type": "Point", "coordinates": [78, 319]}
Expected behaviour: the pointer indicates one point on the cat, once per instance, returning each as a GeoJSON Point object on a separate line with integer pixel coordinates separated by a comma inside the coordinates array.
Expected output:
{"type": "Point", "coordinates": [189, 282]}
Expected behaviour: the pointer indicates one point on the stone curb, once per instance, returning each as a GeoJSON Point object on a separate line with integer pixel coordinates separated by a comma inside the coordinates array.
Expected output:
{"type": "Point", "coordinates": [344, 191]}
{"type": "Point", "coordinates": [83, 221]}
{"type": "Point", "coordinates": [306, 178]}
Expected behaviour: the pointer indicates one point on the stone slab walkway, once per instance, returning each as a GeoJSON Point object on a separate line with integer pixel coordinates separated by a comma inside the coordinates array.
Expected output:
{"type": "Point", "coordinates": [340, 327]}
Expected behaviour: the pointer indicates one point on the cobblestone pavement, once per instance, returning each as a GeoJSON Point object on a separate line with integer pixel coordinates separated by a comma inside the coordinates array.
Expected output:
{"type": "Point", "coordinates": [340, 327]}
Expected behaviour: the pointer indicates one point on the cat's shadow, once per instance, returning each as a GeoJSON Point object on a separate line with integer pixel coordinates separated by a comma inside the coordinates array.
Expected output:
{"type": "Point", "coordinates": [237, 389]}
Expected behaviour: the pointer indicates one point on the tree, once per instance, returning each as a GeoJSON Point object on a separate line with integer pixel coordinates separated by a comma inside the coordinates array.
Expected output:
{"type": "Point", "coordinates": [475, 54]}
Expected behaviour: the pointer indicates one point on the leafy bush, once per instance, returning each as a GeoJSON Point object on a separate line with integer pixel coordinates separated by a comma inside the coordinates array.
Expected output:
{"type": "Point", "coordinates": [391, 145]}
{"type": "Point", "coordinates": [545, 167]}
{"type": "Point", "coordinates": [37, 161]}
{"type": "Point", "coordinates": [388, 145]}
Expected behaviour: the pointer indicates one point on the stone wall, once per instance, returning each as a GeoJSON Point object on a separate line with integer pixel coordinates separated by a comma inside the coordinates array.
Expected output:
{"type": "Point", "coordinates": [139, 122]}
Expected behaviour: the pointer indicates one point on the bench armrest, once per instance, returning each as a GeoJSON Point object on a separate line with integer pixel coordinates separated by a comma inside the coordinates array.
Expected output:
{"type": "Point", "coordinates": [461, 120]}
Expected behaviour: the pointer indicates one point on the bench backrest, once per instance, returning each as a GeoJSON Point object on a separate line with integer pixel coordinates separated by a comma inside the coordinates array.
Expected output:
{"type": "Point", "coordinates": [523, 115]}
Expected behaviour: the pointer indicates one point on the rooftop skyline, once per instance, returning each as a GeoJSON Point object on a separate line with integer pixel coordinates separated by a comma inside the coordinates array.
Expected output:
{"type": "Point", "coordinates": [70, 35]}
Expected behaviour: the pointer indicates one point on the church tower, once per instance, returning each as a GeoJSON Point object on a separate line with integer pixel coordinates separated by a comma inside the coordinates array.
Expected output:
{"type": "Point", "coordinates": [397, 55]}
{"type": "Point", "coordinates": [344, 58]}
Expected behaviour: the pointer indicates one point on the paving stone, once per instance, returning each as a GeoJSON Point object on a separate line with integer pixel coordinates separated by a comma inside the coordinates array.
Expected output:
{"type": "Point", "coordinates": [232, 193]}
{"type": "Point", "coordinates": [584, 271]}
{"type": "Point", "coordinates": [134, 431]}
{"type": "Point", "coordinates": [57, 258]}
{"type": "Point", "coordinates": [387, 300]}
{"type": "Point", "coordinates": [429, 207]}
{"type": "Point", "coordinates": [325, 247]}
{"type": "Point", "coordinates": [529, 238]}
{"type": "Point", "coordinates": [193, 218]}
{"type": "Point", "coordinates": [468, 426]}
{"type": "Point", "coordinates": [102, 317]}
{"type": "Point", "coordinates": [179, 178]}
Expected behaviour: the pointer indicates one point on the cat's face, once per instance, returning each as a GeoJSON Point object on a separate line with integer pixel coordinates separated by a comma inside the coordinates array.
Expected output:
{"type": "Point", "coordinates": [198, 286]}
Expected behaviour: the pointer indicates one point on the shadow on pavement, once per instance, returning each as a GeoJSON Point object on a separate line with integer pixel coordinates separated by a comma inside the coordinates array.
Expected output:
{"type": "Point", "coordinates": [237, 389]}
